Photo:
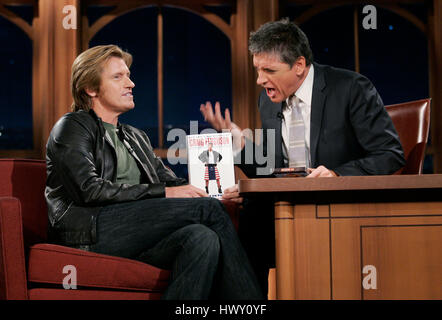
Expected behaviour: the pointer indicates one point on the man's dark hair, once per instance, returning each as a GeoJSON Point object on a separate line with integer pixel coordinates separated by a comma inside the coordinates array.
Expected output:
{"type": "Point", "coordinates": [283, 38]}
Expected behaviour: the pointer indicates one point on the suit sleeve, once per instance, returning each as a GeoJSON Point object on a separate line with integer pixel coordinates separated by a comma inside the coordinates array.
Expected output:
{"type": "Point", "coordinates": [374, 131]}
{"type": "Point", "coordinates": [202, 156]}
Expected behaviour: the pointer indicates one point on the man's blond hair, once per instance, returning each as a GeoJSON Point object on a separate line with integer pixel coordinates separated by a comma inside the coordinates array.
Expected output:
{"type": "Point", "coordinates": [86, 73]}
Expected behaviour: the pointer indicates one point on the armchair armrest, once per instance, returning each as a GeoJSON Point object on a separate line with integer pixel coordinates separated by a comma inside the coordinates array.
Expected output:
{"type": "Point", "coordinates": [12, 261]}
{"type": "Point", "coordinates": [233, 209]}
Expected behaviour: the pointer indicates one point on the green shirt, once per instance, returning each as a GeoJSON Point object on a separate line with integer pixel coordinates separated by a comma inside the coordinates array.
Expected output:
{"type": "Point", "coordinates": [127, 168]}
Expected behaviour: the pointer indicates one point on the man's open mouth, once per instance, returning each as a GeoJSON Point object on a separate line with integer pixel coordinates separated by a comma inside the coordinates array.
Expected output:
{"type": "Point", "coordinates": [271, 92]}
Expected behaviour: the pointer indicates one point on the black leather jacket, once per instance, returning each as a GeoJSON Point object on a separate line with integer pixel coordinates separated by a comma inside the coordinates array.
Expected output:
{"type": "Point", "coordinates": [81, 174]}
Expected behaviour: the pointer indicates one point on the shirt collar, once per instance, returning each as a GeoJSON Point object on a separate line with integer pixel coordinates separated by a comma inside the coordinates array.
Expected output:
{"type": "Point", "coordinates": [305, 91]}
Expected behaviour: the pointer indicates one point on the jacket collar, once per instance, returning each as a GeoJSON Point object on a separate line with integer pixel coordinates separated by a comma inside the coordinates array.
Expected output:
{"type": "Point", "coordinates": [121, 128]}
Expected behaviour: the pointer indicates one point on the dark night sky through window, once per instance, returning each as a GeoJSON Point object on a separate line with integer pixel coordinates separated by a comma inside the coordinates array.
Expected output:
{"type": "Point", "coordinates": [196, 66]}
{"type": "Point", "coordinates": [394, 56]}
{"type": "Point", "coordinates": [197, 62]}
{"type": "Point", "coordinates": [15, 87]}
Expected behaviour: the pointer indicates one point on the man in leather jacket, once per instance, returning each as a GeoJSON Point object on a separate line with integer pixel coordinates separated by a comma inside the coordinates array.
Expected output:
{"type": "Point", "coordinates": [108, 192]}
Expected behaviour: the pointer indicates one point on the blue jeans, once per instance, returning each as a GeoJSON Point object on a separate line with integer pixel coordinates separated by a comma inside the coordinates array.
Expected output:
{"type": "Point", "coordinates": [192, 237]}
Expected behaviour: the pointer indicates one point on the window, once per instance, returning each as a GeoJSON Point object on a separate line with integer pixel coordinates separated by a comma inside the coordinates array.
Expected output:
{"type": "Point", "coordinates": [15, 88]}
{"type": "Point", "coordinates": [180, 61]}
{"type": "Point", "coordinates": [331, 37]}
{"type": "Point", "coordinates": [394, 56]}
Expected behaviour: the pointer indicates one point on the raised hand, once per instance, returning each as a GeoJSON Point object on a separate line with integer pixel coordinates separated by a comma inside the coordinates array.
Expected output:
{"type": "Point", "coordinates": [220, 123]}
{"type": "Point", "coordinates": [216, 120]}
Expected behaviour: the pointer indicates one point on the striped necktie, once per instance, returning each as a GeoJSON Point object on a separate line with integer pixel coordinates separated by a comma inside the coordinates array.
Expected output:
{"type": "Point", "coordinates": [297, 150]}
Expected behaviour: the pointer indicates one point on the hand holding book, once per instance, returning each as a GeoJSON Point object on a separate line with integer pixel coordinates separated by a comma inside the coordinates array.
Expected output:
{"type": "Point", "coordinates": [232, 194]}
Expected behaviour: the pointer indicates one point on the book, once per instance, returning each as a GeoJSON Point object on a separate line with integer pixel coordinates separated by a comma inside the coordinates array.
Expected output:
{"type": "Point", "coordinates": [210, 162]}
{"type": "Point", "coordinates": [289, 172]}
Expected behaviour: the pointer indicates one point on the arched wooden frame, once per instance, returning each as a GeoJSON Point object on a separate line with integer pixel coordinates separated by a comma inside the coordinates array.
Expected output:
{"type": "Point", "coordinates": [121, 9]}
{"type": "Point", "coordinates": [315, 10]}
{"type": "Point", "coordinates": [420, 25]}
{"type": "Point", "coordinates": [19, 22]}
{"type": "Point", "coordinates": [231, 31]}
{"type": "Point", "coordinates": [310, 13]}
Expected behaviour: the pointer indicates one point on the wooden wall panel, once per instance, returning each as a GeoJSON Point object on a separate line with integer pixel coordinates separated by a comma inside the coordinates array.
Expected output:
{"type": "Point", "coordinates": [408, 261]}
{"type": "Point", "coordinates": [381, 241]}
{"type": "Point", "coordinates": [42, 75]}
{"type": "Point", "coordinates": [385, 209]}
{"type": "Point", "coordinates": [345, 265]}
{"type": "Point", "coordinates": [312, 254]}
{"type": "Point", "coordinates": [55, 48]}
{"type": "Point", "coordinates": [303, 245]}
{"type": "Point", "coordinates": [242, 70]}
{"type": "Point", "coordinates": [66, 49]}
{"type": "Point", "coordinates": [284, 216]}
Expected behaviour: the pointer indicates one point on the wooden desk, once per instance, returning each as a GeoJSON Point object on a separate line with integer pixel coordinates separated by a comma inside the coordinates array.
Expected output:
{"type": "Point", "coordinates": [329, 229]}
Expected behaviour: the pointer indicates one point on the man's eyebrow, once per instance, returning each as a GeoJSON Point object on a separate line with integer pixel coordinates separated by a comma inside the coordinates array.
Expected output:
{"type": "Point", "coordinates": [120, 73]}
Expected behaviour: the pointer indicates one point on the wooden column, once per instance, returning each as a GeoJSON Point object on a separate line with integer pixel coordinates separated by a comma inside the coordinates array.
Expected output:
{"type": "Point", "coordinates": [66, 49]}
{"type": "Point", "coordinates": [285, 244]}
{"type": "Point", "coordinates": [55, 48]}
{"type": "Point", "coordinates": [263, 11]}
{"type": "Point", "coordinates": [249, 16]}
{"type": "Point", "coordinates": [42, 74]}
{"type": "Point", "coordinates": [435, 71]}
{"type": "Point", "coordinates": [244, 106]}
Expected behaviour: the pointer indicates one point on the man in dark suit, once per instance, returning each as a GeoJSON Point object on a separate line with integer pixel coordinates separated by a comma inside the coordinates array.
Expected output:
{"type": "Point", "coordinates": [341, 118]}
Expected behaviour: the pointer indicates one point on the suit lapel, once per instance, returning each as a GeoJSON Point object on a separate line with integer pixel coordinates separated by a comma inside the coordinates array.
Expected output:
{"type": "Point", "coordinates": [317, 108]}
{"type": "Point", "coordinates": [271, 119]}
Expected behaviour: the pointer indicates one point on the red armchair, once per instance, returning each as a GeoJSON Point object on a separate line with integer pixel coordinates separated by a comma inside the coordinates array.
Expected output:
{"type": "Point", "coordinates": [33, 269]}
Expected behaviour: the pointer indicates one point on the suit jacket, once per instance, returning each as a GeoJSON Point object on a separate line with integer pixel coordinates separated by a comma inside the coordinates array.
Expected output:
{"type": "Point", "coordinates": [204, 156]}
{"type": "Point", "coordinates": [351, 132]}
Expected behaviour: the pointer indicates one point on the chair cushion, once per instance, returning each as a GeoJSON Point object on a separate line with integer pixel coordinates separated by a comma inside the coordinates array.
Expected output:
{"type": "Point", "coordinates": [61, 294]}
{"type": "Point", "coordinates": [46, 263]}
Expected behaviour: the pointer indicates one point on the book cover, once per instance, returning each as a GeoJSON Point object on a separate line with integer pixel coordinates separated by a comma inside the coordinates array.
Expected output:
{"type": "Point", "coordinates": [210, 162]}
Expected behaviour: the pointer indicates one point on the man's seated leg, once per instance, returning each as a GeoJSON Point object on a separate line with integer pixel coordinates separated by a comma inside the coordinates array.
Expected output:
{"type": "Point", "coordinates": [132, 228]}
{"type": "Point", "coordinates": [191, 253]}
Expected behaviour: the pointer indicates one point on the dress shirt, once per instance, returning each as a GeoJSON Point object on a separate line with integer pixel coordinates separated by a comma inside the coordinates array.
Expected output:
{"type": "Point", "coordinates": [304, 93]}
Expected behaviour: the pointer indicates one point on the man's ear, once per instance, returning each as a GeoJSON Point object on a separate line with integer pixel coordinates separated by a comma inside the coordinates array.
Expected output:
{"type": "Point", "coordinates": [91, 93]}
{"type": "Point", "coordinates": [300, 65]}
